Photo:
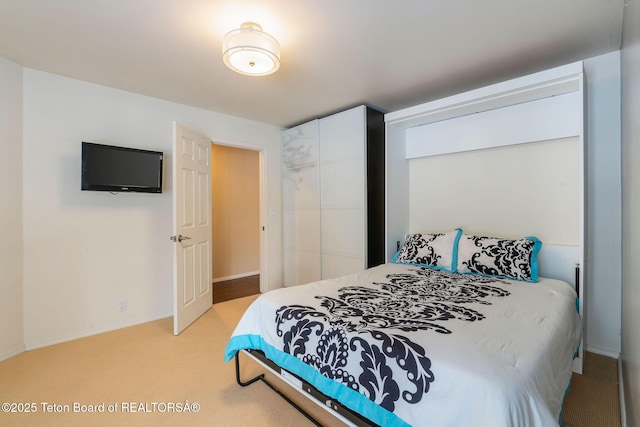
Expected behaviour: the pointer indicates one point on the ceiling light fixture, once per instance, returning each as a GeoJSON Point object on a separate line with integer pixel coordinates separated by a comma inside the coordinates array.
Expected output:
{"type": "Point", "coordinates": [248, 50]}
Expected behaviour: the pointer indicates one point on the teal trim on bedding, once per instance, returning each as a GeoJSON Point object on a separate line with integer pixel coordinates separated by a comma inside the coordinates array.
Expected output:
{"type": "Point", "coordinates": [537, 245]}
{"type": "Point", "coordinates": [348, 397]}
{"type": "Point", "coordinates": [454, 257]}
{"type": "Point", "coordinates": [566, 392]}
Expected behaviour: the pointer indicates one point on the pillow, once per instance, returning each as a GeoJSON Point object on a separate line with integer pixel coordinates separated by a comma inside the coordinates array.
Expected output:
{"type": "Point", "coordinates": [437, 250]}
{"type": "Point", "coordinates": [504, 258]}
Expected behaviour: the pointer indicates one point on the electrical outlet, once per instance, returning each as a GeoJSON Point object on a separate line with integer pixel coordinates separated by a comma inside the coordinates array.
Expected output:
{"type": "Point", "coordinates": [121, 305]}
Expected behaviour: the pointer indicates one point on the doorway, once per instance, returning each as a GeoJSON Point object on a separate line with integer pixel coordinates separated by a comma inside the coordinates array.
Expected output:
{"type": "Point", "coordinates": [236, 229]}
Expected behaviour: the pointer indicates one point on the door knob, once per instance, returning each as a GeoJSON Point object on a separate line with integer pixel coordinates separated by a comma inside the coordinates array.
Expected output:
{"type": "Point", "coordinates": [179, 238]}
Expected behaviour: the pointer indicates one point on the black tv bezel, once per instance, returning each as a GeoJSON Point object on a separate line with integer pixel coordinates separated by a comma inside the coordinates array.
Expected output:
{"type": "Point", "coordinates": [84, 186]}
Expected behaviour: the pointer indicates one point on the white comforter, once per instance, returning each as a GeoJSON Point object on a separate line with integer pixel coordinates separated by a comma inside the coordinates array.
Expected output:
{"type": "Point", "coordinates": [404, 345]}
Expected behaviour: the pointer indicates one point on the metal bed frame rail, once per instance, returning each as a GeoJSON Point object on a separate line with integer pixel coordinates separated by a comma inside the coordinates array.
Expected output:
{"type": "Point", "coordinates": [332, 406]}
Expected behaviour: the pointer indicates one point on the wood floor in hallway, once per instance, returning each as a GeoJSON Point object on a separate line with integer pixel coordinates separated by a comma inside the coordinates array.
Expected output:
{"type": "Point", "coordinates": [236, 288]}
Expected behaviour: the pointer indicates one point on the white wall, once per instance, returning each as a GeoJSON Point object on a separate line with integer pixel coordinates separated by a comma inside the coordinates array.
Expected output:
{"type": "Point", "coordinates": [11, 329]}
{"type": "Point", "coordinates": [631, 210]}
{"type": "Point", "coordinates": [604, 221]}
{"type": "Point", "coordinates": [548, 170]}
{"type": "Point", "coordinates": [84, 251]}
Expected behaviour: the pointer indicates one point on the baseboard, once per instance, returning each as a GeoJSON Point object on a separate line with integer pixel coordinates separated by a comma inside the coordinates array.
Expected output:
{"type": "Point", "coordinates": [623, 407]}
{"type": "Point", "coordinates": [94, 332]}
{"type": "Point", "coordinates": [603, 352]}
{"type": "Point", "coordinates": [19, 349]}
{"type": "Point", "coordinates": [236, 276]}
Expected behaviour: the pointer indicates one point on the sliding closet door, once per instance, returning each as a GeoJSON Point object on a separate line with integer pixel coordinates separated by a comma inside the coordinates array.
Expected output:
{"type": "Point", "coordinates": [343, 192]}
{"type": "Point", "coordinates": [333, 196]}
{"type": "Point", "coordinates": [301, 204]}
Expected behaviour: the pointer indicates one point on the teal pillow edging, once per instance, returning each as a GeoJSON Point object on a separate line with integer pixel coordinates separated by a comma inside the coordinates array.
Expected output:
{"type": "Point", "coordinates": [454, 256]}
{"type": "Point", "coordinates": [348, 397]}
{"type": "Point", "coordinates": [537, 245]}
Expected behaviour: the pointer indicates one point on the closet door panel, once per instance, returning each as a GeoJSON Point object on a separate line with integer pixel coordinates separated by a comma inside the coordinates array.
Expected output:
{"type": "Point", "coordinates": [300, 145]}
{"type": "Point", "coordinates": [303, 267]}
{"type": "Point", "coordinates": [300, 188]}
{"type": "Point", "coordinates": [343, 193]}
{"type": "Point", "coordinates": [342, 135]}
{"type": "Point", "coordinates": [340, 265]}
{"type": "Point", "coordinates": [338, 224]}
{"type": "Point", "coordinates": [342, 184]}
{"type": "Point", "coordinates": [329, 195]}
{"type": "Point", "coordinates": [301, 204]}
{"type": "Point", "coordinates": [302, 230]}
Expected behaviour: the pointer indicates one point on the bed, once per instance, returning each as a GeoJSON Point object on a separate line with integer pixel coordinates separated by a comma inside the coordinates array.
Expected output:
{"type": "Point", "coordinates": [443, 336]}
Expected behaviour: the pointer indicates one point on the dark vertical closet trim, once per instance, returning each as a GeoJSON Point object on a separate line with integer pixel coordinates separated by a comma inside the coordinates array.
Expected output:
{"type": "Point", "coordinates": [375, 187]}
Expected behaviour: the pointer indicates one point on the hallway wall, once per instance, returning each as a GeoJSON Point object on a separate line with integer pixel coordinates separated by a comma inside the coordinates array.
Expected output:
{"type": "Point", "coordinates": [235, 212]}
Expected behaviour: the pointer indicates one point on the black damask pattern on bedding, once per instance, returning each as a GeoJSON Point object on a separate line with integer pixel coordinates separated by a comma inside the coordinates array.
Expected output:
{"type": "Point", "coordinates": [357, 338]}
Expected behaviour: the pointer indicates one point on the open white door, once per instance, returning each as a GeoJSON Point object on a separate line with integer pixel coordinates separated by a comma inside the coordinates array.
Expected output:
{"type": "Point", "coordinates": [192, 294]}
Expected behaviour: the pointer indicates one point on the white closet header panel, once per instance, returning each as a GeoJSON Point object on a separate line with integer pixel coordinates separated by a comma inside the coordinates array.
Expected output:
{"type": "Point", "coordinates": [545, 84]}
{"type": "Point", "coordinates": [540, 120]}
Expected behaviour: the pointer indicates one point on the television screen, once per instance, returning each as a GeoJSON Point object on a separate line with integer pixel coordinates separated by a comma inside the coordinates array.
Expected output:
{"type": "Point", "coordinates": [110, 168]}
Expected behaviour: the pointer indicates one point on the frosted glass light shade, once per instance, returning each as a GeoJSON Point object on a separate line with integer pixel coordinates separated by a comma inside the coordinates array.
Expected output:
{"type": "Point", "coordinates": [248, 50]}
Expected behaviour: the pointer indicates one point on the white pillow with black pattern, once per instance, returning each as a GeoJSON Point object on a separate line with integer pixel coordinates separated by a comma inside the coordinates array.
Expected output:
{"type": "Point", "coordinates": [435, 250]}
{"type": "Point", "coordinates": [504, 258]}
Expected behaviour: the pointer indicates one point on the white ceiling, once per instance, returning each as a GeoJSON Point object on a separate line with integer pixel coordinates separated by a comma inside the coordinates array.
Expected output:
{"type": "Point", "coordinates": [336, 54]}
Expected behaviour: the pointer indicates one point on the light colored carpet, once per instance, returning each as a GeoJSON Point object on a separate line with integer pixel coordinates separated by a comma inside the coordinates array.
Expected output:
{"type": "Point", "coordinates": [146, 367]}
{"type": "Point", "coordinates": [593, 399]}
{"type": "Point", "coordinates": [144, 364]}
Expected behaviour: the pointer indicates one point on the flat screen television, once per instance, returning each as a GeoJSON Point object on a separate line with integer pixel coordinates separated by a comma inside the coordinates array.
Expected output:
{"type": "Point", "coordinates": [120, 169]}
